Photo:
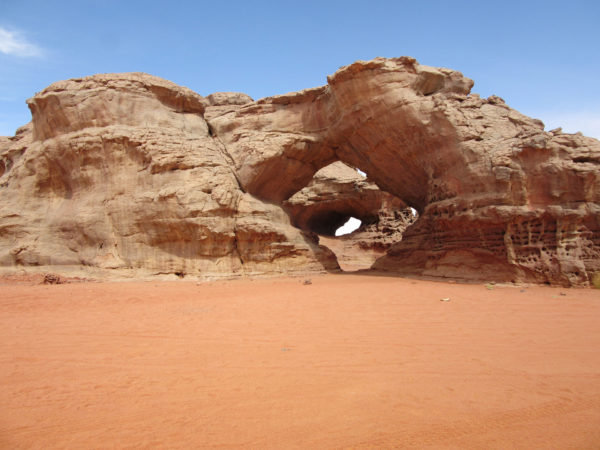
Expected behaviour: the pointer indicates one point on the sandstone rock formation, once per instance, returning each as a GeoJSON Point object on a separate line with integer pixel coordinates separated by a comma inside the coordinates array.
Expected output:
{"type": "Point", "coordinates": [360, 249]}
{"type": "Point", "coordinates": [336, 193]}
{"type": "Point", "coordinates": [120, 172]}
{"type": "Point", "coordinates": [131, 172]}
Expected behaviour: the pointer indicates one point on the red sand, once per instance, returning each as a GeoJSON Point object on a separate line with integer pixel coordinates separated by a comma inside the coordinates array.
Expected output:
{"type": "Point", "coordinates": [349, 361]}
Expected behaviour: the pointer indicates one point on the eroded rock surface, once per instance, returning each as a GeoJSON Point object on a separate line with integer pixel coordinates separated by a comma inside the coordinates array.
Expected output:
{"type": "Point", "coordinates": [336, 193]}
{"type": "Point", "coordinates": [498, 197]}
{"type": "Point", "coordinates": [120, 172]}
{"type": "Point", "coordinates": [128, 171]}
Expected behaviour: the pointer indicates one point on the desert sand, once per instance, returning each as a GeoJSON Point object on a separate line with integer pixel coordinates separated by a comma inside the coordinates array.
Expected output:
{"type": "Point", "coordinates": [349, 361]}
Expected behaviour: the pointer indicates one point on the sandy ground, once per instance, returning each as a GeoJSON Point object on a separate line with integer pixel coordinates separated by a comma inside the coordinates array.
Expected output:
{"type": "Point", "coordinates": [348, 361]}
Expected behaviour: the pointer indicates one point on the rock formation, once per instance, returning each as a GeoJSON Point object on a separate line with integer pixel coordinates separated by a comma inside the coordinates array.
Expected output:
{"type": "Point", "coordinates": [129, 172]}
{"type": "Point", "coordinates": [336, 193]}
{"type": "Point", "coordinates": [121, 172]}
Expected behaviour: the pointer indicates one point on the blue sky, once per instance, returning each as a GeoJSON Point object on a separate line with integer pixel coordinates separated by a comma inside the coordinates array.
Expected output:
{"type": "Point", "coordinates": [542, 57]}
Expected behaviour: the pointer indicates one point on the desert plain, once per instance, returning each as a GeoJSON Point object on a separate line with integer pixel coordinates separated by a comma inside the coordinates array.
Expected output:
{"type": "Point", "coordinates": [345, 361]}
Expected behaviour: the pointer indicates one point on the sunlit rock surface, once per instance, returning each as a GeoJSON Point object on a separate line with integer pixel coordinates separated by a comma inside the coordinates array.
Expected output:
{"type": "Point", "coordinates": [132, 173]}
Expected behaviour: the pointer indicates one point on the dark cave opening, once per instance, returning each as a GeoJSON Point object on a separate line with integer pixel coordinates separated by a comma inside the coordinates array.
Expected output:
{"type": "Point", "coordinates": [328, 222]}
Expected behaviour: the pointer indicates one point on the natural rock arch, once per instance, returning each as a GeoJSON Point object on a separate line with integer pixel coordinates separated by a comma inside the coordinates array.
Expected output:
{"type": "Point", "coordinates": [378, 116]}
{"type": "Point", "coordinates": [476, 170]}
{"type": "Point", "coordinates": [337, 193]}
{"type": "Point", "coordinates": [131, 172]}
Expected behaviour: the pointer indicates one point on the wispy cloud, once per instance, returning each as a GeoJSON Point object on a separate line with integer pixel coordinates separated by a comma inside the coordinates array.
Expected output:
{"type": "Point", "coordinates": [14, 43]}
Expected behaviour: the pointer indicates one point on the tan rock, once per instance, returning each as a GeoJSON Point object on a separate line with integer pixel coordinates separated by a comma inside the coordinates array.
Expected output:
{"type": "Point", "coordinates": [222, 102]}
{"type": "Point", "coordinates": [131, 172]}
{"type": "Point", "coordinates": [130, 180]}
{"type": "Point", "coordinates": [498, 198]}
{"type": "Point", "coordinates": [228, 99]}
{"type": "Point", "coordinates": [336, 193]}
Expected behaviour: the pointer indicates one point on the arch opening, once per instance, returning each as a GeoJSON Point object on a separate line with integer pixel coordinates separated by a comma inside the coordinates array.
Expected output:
{"type": "Point", "coordinates": [352, 217]}
{"type": "Point", "coordinates": [327, 222]}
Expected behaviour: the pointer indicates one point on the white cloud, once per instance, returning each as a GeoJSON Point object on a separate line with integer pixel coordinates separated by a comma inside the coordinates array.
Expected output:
{"type": "Point", "coordinates": [14, 43]}
{"type": "Point", "coordinates": [571, 122]}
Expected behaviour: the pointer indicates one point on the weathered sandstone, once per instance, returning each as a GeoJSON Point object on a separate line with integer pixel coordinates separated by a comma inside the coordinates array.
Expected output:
{"type": "Point", "coordinates": [222, 102]}
{"type": "Point", "coordinates": [132, 172]}
{"type": "Point", "coordinates": [120, 172]}
{"type": "Point", "coordinates": [336, 193]}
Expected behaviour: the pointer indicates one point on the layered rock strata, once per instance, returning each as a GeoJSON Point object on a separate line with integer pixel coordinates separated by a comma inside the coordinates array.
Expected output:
{"type": "Point", "coordinates": [131, 171]}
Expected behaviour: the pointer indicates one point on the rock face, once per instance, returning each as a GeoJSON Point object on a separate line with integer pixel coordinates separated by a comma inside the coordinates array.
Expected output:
{"type": "Point", "coordinates": [120, 172]}
{"type": "Point", "coordinates": [131, 172]}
